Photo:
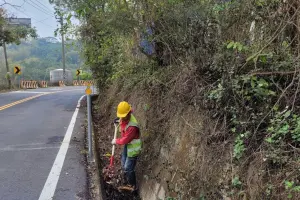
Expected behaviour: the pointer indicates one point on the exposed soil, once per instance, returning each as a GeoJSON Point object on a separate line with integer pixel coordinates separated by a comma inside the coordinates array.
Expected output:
{"type": "Point", "coordinates": [104, 133]}
{"type": "Point", "coordinates": [112, 193]}
{"type": "Point", "coordinates": [181, 158]}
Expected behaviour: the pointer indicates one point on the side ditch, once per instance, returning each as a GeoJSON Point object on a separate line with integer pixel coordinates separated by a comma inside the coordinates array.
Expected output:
{"type": "Point", "coordinates": [185, 153]}
{"type": "Point", "coordinates": [102, 148]}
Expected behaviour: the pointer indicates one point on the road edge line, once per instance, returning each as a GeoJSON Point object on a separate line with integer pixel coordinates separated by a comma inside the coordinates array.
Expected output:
{"type": "Point", "coordinates": [53, 177]}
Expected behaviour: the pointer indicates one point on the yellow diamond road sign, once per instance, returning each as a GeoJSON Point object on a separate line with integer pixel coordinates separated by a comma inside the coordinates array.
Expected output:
{"type": "Point", "coordinates": [17, 70]}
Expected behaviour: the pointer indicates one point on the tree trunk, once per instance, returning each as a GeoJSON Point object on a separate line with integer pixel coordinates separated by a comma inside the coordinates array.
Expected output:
{"type": "Point", "coordinates": [7, 66]}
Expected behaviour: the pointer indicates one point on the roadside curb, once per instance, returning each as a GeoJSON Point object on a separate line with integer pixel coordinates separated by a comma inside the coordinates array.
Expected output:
{"type": "Point", "coordinates": [96, 189]}
{"type": "Point", "coordinates": [98, 180]}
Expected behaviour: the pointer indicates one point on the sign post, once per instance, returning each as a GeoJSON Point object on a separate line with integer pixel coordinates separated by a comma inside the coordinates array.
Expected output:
{"type": "Point", "coordinates": [88, 93]}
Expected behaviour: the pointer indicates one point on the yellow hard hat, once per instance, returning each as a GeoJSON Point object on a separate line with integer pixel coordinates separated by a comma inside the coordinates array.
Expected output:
{"type": "Point", "coordinates": [123, 109]}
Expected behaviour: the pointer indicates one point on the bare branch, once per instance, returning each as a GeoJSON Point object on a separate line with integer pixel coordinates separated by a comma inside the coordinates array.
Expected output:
{"type": "Point", "coordinates": [296, 93]}
{"type": "Point", "coordinates": [274, 73]}
{"type": "Point", "coordinates": [282, 94]}
{"type": "Point", "coordinates": [6, 3]}
{"type": "Point", "coordinates": [275, 35]}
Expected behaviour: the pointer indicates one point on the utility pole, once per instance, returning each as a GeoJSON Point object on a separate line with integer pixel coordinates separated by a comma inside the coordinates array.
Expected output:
{"type": "Point", "coordinates": [63, 48]}
{"type": "Point", "coordinates": [7, 66]}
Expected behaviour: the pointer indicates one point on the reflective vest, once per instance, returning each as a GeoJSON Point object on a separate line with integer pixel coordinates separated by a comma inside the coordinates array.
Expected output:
{"type": "Point", "coordinates": [135, 146]}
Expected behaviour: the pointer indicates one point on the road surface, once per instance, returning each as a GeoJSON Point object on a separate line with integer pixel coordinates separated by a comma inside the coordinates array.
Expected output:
{"type": "Point", "coordinates": [37, 161]}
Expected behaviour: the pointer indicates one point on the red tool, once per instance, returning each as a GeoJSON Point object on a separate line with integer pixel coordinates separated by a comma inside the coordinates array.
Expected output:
{"type": "Point", "coordinates": [111, 163]}
{"type": "Point", "coordinates": [109, 171]}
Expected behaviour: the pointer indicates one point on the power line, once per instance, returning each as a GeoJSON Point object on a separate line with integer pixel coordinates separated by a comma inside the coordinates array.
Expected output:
{"type": "Point", "coordinates": [37, 21]}
{"type": "Point", "coordinates": [41, 8]}
{"type": "Point", "coordinates": [43, 5]}
{"type": "Point", "coordinates": [44, 20]}
{"type": "Point", "coordinates": [34, 4]}
{"type": "Point", "coordinates": [38, 8]}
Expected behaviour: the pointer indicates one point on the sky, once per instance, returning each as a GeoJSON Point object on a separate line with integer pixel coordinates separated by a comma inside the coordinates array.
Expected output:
{"type": "Point", "coordinates": [41, 13]}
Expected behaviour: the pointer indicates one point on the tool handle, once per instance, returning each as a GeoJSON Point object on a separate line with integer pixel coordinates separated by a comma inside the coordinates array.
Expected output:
{"type": "Point", "coordinates": [115, 136]}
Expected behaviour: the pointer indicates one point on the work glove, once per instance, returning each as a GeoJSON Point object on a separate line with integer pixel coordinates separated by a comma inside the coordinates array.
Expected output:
{"type": "Point", "coordinates": [117, 120]}
{"type": "Point", "coordinates": [113, 142]}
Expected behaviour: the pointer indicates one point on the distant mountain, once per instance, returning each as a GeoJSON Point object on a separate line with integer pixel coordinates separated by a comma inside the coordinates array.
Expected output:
{"type": "Point", "coordinates": [51, 39]}
{"type": "Point", "coordinates": [37, 57]}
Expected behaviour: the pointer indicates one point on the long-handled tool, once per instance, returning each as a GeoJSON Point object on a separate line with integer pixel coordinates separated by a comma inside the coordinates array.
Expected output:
{"type": "Point", "coordinates": [111, 163]}
{"type": "Point", "coordinates": [109, 171]}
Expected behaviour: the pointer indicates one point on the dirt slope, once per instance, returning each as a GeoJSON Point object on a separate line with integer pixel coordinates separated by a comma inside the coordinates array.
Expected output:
{"type": "Point", "coordinates": [185, 155]}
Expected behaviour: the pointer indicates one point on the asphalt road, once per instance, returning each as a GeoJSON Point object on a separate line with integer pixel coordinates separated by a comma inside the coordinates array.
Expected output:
{"type": "Point", "coordinates": [33, 126]}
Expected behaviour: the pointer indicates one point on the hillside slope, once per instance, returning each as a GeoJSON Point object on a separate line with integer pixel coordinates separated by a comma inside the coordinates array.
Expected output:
{"type": "Point", "coordinates": [215, 86]}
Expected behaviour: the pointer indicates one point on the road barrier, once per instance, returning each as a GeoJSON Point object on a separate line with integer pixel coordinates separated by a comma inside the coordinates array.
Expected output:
{"type": "Point", "coordinates": [29, 84]}
{"type": "Point", "coordinates": [61, 83]}
{"type": "Point", "coordinates": [89, 83]}
{"type": "Point", "coordinates": [76, 83]}
{"type": "Point", "coordinates": [43, 84]}
{"type": "Point", "coordinates": [83, 83]}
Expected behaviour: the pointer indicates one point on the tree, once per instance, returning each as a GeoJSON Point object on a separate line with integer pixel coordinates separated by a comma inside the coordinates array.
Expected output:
{"type": "Point", "coordinates": [12, 34]}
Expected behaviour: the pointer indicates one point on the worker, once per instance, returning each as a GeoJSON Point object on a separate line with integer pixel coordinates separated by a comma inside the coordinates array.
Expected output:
{"type": "Point", "coordinates": [130, 138]}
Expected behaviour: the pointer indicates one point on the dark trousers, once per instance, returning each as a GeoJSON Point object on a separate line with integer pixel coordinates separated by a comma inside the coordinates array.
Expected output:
{"type": "Point", "coordinates": [128, 165]}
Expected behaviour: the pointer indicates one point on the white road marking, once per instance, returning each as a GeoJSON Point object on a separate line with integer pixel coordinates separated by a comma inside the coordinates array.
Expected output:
{"type": "Point", "coordinates": [51, 183]}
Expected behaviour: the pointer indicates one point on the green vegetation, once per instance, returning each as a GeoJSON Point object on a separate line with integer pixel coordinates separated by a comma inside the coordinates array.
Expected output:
{"type": "Point", "coordinates": [250, 79]}
{"type": "Point", "coordinates": [12, 34]}
{"type": "Point", "coordinates": [291, 187]}
{"type": "Point", "coordinates": [37, 57]}
{"type": "Point", "coordinates": [236, 182]}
